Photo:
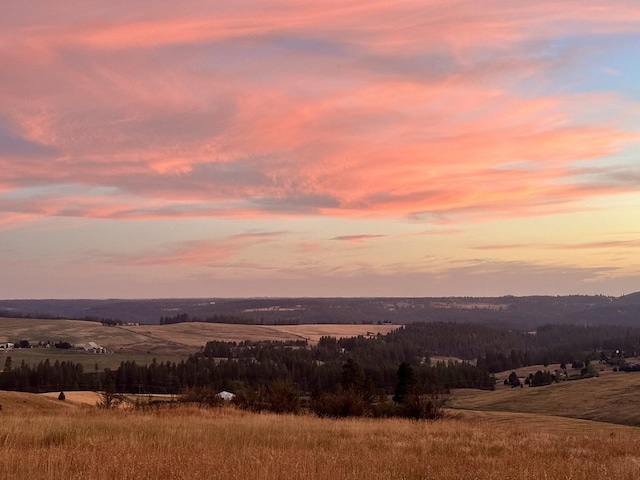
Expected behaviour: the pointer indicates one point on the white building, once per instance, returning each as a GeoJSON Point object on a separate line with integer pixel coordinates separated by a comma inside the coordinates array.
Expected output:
{"type": "Point", "coordinates": [226, 396]}
{"type": "Point", "coordinates": [94, 348]}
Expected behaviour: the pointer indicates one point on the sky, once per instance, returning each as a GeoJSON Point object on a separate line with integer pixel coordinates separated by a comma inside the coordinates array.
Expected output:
{"type": "Point", "coordinates": [277, 148]}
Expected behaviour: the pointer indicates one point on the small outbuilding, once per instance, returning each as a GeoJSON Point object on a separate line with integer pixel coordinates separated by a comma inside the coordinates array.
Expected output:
{"type": "Point", "coordinates": [226, 396]}
{"type": "Point", "coordinates": [94, 348]}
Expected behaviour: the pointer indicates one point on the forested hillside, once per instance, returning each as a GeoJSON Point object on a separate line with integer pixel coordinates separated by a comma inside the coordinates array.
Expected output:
{"type": "Point", "coordinates": [519, 313]}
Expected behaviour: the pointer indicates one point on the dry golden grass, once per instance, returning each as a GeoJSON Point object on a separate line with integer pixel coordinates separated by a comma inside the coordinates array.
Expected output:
{"type": "Point", "coordinates": [313, 332]}
{"type": "Point", "coordinates": [194, 333]}
{"type": "Point", "coordinates": [610, 398]}
{"type": "Point", "coordinates": [21, 403]}
{"type": "Point", "coordinates": [187, 443]}
{"type": "Point", "coordinates": [76, 332]}
{"type": "Point", "coordinates": [79, 398]}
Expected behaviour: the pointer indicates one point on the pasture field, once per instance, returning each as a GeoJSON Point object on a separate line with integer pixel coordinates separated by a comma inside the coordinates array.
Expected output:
{"type": "Point", "coordinates": [41, 437]}
{"type": "Point", "coordinates": [76, 332]}
{"type": "Point", "coordinates": [613, 397]}
{"type": "Point", "coordinates": [192, 333]}
{"type": "Point", "coordinates": [145, 342]}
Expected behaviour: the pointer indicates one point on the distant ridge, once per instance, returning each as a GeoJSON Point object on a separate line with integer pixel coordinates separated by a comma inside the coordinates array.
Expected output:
{"type": "Point", "coordinates": [520, 313]}
{"type": "Point", "coordinates": [630, 299]}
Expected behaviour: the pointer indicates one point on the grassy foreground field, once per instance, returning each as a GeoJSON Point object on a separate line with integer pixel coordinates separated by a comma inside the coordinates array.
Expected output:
{"type": "Point", "coordinates": [44, 438]}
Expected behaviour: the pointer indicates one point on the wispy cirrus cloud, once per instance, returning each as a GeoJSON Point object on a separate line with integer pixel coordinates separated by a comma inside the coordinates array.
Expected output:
{"type": "Point", "coordinates": [214, 252]}
{"type": "Point", "coordinates": [403, 120]}
{"type": "Point", "coordinates": [605, 245]}
{"type": "Point", "coordinates": [357, 238]}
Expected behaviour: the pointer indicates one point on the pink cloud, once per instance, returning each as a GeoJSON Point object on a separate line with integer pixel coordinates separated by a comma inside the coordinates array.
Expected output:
{"type": "Point", "coordinates": [457, 23]}
{"type": "Point", "coordinates": [358, 238]}
{"type": "Point", "coordinates": [402, 109]}
{"type": "Point", "coordinates": [10, 221]}
{"type": "Point", "coordinates": [601, 245]}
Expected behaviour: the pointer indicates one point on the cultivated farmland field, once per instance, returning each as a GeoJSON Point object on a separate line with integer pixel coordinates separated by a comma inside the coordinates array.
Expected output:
{"type": "Point", "coordinates": [45, 438]}
{"type": "Point", "coordinates": [145, 342]}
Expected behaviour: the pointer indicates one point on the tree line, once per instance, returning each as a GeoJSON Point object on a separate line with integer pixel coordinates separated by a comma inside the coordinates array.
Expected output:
{"type": "Point", "coordinates": [499, 349]}
{"type": "Point", "coordinates": [216, 318]}
{"type": "Point", "coordinates": [250, 365]}
{"type": "Point", "coordinates": [319, 370]}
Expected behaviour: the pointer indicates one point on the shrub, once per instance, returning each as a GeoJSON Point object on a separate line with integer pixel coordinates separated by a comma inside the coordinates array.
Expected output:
{"type": "Point", "coordinates": [283, 397]}
{"type": "Point", "coordinates": [341, 404]}
{"type": "Point", "coordinates": [590, 370]}
{"type": "Point", "coordinates": [110, 399]}
{"type": "Point", "coordinates": [513, 380]}
{"type": "Point", "coordinates": [541, 378]}
{"type": "Point", "coordinates": [385, 409]}
{"type": "Point", "coordinates": [279, 397]}
{"type": "Point", "coordinates": [204, 396]}
{"type": "Point", "coordinates": [423, 407]}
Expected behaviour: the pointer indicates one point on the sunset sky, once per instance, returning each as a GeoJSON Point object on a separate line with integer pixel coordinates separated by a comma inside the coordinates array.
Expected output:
{"type": "Point", "coordinates": [335, 148]}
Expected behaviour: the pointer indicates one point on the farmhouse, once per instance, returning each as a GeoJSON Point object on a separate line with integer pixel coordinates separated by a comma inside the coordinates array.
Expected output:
{"type": "Point", "coordinates": [94, 348]}
{"type": "Point", "coordinates": [5, 347]}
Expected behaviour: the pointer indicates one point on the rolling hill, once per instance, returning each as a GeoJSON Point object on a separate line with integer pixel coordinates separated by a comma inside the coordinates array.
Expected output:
{"type": "Point", "coordinates": [179, 338]}
{"type": "Point", "coordinates": [609, 398]}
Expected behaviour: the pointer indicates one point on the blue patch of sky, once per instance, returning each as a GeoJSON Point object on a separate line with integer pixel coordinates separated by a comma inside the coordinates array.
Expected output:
{"type": "Point", "coordinates": [585, 64]}
{"type": "Point", "coordinates": [614, 66]}
{"type": "Point", "coordinates": [13, 144]}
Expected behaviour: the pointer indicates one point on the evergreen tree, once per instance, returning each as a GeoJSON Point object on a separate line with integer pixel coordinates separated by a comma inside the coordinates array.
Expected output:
{"type": "Point", "coordinates": [406, 382]}
{"type": "Point", "coordinates": [513, 380]}
{"type": "Point", "coordinates": [7, 364]}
